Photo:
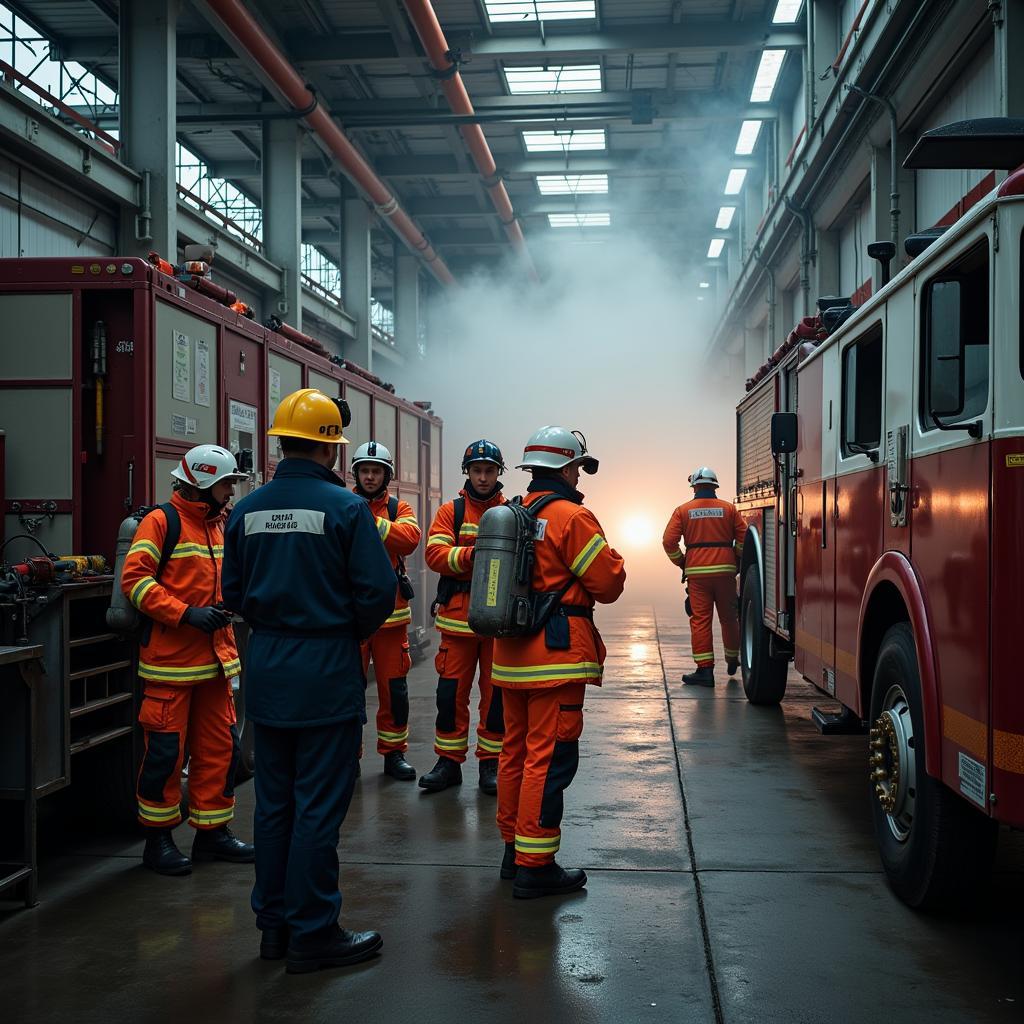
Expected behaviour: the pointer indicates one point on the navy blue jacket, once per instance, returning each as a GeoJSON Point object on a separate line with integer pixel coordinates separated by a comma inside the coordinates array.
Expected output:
{"type": "Point", "coordinates": [305, 567]}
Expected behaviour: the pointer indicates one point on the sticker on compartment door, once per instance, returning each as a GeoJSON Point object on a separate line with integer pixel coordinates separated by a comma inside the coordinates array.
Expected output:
{"type": "Point", "coordinates": [972, 778]}
{"type": "Point", "coordinates": [181, 368]}
{"type": "Point", "coordinates": [202, 372]}
{"type": "Point", "coordinates": [242, 417]}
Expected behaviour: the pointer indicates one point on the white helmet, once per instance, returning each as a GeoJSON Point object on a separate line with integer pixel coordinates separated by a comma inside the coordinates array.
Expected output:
{"type": "Point", "coordinates": [374, 452]}
{"type": "Point", "coordinates": [206, 465]}
{"type": "Point", "coordinates": [556, 448]}
{"type": "Point", "coordinates": [704, 476]}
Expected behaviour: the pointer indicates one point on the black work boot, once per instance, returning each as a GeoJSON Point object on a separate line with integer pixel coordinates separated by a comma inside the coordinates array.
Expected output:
{"type": "Point", "coordinates": [731, 665]}
{"type": "Point", "coordinates": [341, 949]}
{"type": "Point", "coordinates": [221, 844]}
{"type": "Point", "coordinates": [508, 861]}
{"type": "Point", "coordinates": [700, 677]}
{"type": "Point", "coordinates": [162, 856]}
{"type": "Point", "coordinates": [397, 767]}
{"type": "Point", "coordinates": [444, 774]}
{"type": "Point", "coordinates": [489, 776]}
{"type": "Point", "coordinates": [550, 880]}
{"type": "Point", "coordinates": [274, 943]}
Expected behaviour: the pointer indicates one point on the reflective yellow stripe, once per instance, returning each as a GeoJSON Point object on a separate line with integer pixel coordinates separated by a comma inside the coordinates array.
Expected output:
{"type": "Point", "coordinates": [197, 550]}
{"type": "Point", "coordinates": [676, 556]}
{"type": "Point", "coordinates": [707, 570]}
{"type": "Point", "coordinates": [393, 737]}
{"type": "Point", "coordinates": [408, 520]}
{"type": "Point", "coordinates": [452, 625]}
{"type": "Point", "coordinates": [455, 559]}
{"type": "Point", "coordinates": [541, 673]}
{"type": "Point", "coordinates": [383, 527]}
{"type": "Point", "coordinates": [491, 746]}
{"type": "Point", "coordinates": [582, 562]}
{"type": "Point", "coordinates": [402, 615]}
{"type": "Point", "coordinates": [440, 540]}
{"type": "Point", "coordinates": [145, 545]}
{"type": "Point", "coordinates": [731, 654]}
{"type": "Point", "coordinates": [181, 675]}
{"type": "Point", "coordinates": [232, 668]}
{"type": "Point", "coordinates": [140, 590]}
{"type": "Point", "coordinates": [459, 743]}
{"type": "Point", "coordinates": [160, 814]}
{"type": "Point", "coordinates": [704, 657]}
{"type": "Point", "coordinates": [538, 844]}
{"type": "Point", "coordinates": [470, 529]}
{"type": "Point", "coordinates": [218, 817]}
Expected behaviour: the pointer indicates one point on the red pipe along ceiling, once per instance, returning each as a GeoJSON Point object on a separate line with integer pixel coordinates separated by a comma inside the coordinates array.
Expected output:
{"type": "Point", "coordinates": [236, 24]}
{"type": "Point", "coordinates": [428, 28]}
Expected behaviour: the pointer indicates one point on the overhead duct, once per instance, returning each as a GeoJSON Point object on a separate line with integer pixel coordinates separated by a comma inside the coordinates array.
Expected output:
{"type": "Point", "coordinates": [244, 35]}
{"type": "Point", "coordinates": [428, 28]}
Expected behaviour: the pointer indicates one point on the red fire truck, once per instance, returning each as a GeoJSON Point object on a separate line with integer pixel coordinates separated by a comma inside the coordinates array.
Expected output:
{"type": "Point", "coordinates": [110, 370]}
{"type": "Point", "coordinates": [881, 472]}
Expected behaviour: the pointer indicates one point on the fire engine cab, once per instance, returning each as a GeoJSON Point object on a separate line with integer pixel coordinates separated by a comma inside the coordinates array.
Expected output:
{"type": "Point", "coordinates": [881, 474]}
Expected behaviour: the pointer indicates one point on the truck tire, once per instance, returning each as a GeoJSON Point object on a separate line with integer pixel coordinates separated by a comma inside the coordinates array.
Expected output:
{"type": "Point", "coordinates": [764, 675]}
{"type": "Point", "coordinates": [936, 849]}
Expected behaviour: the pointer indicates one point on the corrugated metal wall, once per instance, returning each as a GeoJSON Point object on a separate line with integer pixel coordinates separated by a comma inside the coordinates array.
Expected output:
{"type": "Point", "coordinates": [40, 218]}
{"type": "Point", "coordinates": [974, 95]}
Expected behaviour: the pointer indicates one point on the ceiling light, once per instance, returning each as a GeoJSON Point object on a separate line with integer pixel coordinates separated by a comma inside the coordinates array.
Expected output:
{"type": "Point", "coordinates": [725, 216]}
{"type": "Point", "coordinates": [787, 11]}
{"type": "Point", "coordinates": [715, 248]}
{"type": "Point", "coordinates": [554, 78]}
{"type": "Point", "coordinates": [540, 10]}
{"type": "Point", "coordinates": [572, 184]}
{"type": "Point", "coordinates": [705, 284]}
{"type": "Point", "coordinates": [749, 132]}
{"type": "Point", "coordinates": [767, 75]}
{"type": "Point", "coordinates": [734, 182]}
{"type": "Point", "coordinates": [579, 220]}
{"type": "Point", "coordinates": [568, 141]}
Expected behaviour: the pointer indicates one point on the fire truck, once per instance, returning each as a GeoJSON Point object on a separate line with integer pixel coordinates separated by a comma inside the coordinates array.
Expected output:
{"type": "Point", "coordinates": [110, 370]}
{"type": "Point", "coordinates": [881, 473]}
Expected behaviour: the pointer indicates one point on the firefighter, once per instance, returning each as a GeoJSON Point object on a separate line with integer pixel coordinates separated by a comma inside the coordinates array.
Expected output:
{"type": "Point", "coordinates": [389, 646]}
{"type": "Point", "coordinates": [305, 566]}
{"type": "Point", "coordinates": [187, 661]}
{"type": "Point", "coordinates": [461, 652]}
{"type": "Point", "coordinates": [713, 531]}
{"type": "Point", "coordinates": [543, 677]}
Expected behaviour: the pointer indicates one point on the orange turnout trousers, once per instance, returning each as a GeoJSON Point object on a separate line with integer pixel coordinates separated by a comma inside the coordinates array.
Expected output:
{"type": "Point", "coordinates": [706, 594]}
{"type": "Point", "coordinates": [457, 661]}
{"type": "Point", "coordinates": [389, 649]}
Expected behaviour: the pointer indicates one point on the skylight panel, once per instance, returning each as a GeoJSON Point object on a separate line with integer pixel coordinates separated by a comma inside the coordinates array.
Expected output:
{"type": "Point", "coordinates": [715, 248]}
{"type": "Point", "coordinates": [767, 75]}
{"type": "Point", "coordinates": [572, 184]}
{"type": "Point", "coordinates": [568, 141]}
{"type": "Point", "coordinates": [555, 78]}
{"type": "Point", "coordinates": [725, 216]}
{"type": "Point", "coordinates": [579, 220]}
{"type": "Point", "coordinates": [543, 10]}
{"type": "Point", "coordinates": [747, 140]}
{"type": "Point", "coordinates": [734, 182]}
{"type": "Point", "coordinates": [787, 11]}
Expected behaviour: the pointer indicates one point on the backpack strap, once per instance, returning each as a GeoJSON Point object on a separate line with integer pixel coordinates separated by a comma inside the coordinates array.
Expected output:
{"type": "Point", "coordinates": [459, 506]}
{"type": "Point", "coordinates": [171, 537]}
{"type": "Point", "coordinates": [392, 508]}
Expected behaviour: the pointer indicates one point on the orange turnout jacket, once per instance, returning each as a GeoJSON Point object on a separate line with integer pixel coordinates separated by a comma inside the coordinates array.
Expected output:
{"type": "Point", "coordinates": [713, 533]}
{"type": "Point", "coordinates": [573, 547]}
{"type": "Point", "coordinates": [175, 653]}
{"type": "Point", "coordinates": [453, 556]}
{"type": "Point", "coordinates": [400, 539]}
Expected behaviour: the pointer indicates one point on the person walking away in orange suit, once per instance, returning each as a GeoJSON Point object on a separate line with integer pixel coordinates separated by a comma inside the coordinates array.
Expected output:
{"type": "Point", "coordinates": [543, 677]}
{"type": "Point", "coordinates": [374, 470]}
{"type": "Point", "coordinates": [712, 531]}
{"type": "Point", "coordinates": [461, 652]}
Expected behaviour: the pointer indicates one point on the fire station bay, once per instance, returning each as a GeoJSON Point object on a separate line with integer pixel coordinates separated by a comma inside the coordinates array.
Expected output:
{"type": "Point", "coordinates": [511, 508]}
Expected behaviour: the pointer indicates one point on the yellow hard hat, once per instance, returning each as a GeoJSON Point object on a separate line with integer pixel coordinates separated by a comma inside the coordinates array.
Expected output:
{"type": "Point", "coordinates": [308, 414]}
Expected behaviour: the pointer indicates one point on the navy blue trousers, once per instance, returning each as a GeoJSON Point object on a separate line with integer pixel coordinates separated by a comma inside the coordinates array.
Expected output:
{"type": "Point", "coordinates": [304, 784]}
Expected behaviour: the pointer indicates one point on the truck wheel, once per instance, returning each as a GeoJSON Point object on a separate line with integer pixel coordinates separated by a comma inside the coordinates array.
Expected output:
{"type": "Point", "coordinates": [936, 848]}
{"type": "Point", "coordinates": [764, 675]}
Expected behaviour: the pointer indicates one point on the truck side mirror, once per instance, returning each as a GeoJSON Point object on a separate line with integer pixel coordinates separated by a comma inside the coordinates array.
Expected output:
{"type": "Point", "coordinates": [783, 433]}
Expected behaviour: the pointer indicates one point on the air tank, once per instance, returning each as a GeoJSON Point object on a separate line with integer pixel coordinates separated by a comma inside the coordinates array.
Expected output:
{"type": "Point", "coordinates": [499, 598]}
{"type": "Point", "coordinates": [122, 615]}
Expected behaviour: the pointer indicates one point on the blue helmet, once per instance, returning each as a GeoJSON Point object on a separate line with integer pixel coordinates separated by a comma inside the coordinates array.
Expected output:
{"type": "Point", "coordinates": [483, 451]}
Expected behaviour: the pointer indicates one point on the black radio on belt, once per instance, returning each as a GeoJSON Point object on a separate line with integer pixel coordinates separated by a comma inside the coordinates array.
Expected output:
{"type": "Point", "coordinates": [405, 587]}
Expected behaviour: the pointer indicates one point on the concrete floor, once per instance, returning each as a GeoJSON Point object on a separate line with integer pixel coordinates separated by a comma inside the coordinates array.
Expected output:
{"type": "Point", "coordinates": [732, 870]}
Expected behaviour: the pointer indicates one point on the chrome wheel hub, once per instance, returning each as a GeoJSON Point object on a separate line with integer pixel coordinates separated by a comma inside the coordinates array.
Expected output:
{"type": "Point", "coordinates": [892, 767]}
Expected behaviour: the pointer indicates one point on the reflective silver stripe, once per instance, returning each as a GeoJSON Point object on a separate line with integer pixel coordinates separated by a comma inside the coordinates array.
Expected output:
{"type": "Point", "coordinates": [284, 520]}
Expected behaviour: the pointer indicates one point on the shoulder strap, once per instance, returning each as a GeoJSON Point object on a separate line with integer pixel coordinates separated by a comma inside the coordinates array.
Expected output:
{"type": "Point", "coordinates": [459, 505]}
{"type": "Point", "coordinates": [171, 537]}
{"type": "Point", "coordinates": [535, 506]}
{"type": "Point", "coordinates": [392, 509]}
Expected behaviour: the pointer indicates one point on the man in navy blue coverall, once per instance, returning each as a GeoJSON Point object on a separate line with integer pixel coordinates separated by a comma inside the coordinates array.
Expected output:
{"type": "Point", "coordinates": [305, 566]}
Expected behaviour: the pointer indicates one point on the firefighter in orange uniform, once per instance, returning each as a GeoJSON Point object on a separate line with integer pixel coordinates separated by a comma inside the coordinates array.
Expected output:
{"type": "Point", "coordinates": [389, 646]}
{"type": "Point", "coordinates": [187, 660]}
{"type": "Point", "coordinates": [461, 652]}
{"type": "Point", "coordinates": [713, 533]}
{"type": "Point", "coordinates": [543, 677]}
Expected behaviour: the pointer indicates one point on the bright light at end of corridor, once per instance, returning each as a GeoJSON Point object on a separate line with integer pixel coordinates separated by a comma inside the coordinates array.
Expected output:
{"type": "Point", "coordinates": [638, 532]}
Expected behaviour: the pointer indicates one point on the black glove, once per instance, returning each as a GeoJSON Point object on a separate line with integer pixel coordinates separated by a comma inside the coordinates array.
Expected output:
{"type": "Point", "coordinates": [206, 619]}
{"type": "Point", "coordinates": [688, 606]}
